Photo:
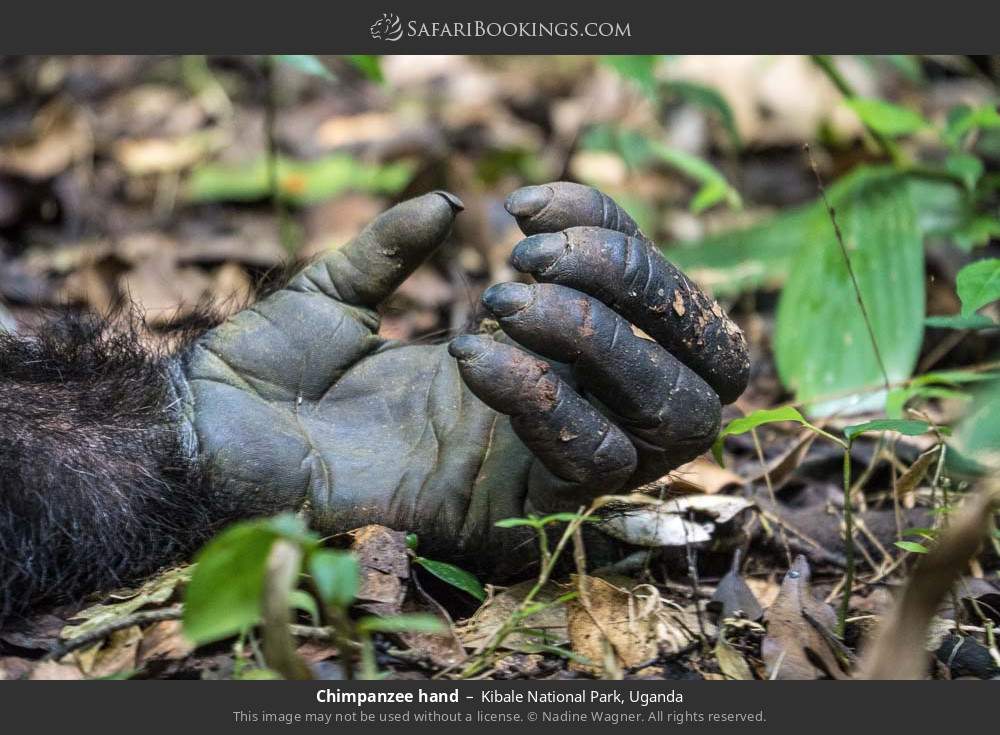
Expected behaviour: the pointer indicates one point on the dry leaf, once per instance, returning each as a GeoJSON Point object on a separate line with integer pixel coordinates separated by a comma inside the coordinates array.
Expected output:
{"type": "Point", "coordinates": [163, 640]}
{"type": "Point", "coordinates": [782, 468]}
{"type": "Point", "coordinates": [156, 591]}
{"type": "Point", "coordinates": [616, 623]}
{"type": "Point", "coordinates": [704, 476]}
{"type": "Point", "coordinates": [60, 136]}
{"type": "Point", "coordinates": [910, 479]}
{"type": "Point", "coordinates": [550, 621]}
{"type": "Point", "coordinates": [795, 636]}
{"type": "Point", "coordinates": [733, 598]}
{"type": "Point", "coordinates": [731, 661]}
{"type": "Point", "coordinates": [385, 568]}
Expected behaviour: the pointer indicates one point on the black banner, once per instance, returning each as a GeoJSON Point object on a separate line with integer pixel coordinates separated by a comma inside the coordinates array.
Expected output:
{"type": "Point", "coordinates": [448, 26]}
{"type": "Point", "coordinates": [640, 706]}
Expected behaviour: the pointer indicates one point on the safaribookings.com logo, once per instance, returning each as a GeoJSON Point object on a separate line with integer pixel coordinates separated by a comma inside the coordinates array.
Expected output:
{"type": "Point", "coordinates": [387, 28]}
{"type": "Point", "coordinates": [390, 28]}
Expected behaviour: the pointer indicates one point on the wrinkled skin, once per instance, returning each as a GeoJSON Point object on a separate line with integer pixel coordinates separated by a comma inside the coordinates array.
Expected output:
{"type": "Point", "coordinates": [298, 403]}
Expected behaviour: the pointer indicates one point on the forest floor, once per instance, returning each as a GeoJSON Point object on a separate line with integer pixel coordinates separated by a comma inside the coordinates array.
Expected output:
{"type": "Point", "coordinates": [148, 178]}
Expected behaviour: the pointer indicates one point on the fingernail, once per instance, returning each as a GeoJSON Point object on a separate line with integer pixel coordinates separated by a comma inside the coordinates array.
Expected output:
{"type": "Point", "coordinates": [528, 201]}
{"type": "Point", "coordinates": [537, 253]}
{"type": "Point", "coordinates": [466, 346]}
{"type": "Point", "coordinates": [505, 299]}
{"type": "Point", "coordinates": [453, 201]}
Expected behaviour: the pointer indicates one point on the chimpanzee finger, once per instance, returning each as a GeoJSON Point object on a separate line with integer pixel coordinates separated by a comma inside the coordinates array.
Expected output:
{"type": "Point", "coordinates": [561, 204]}
{"type": "Point", "coordinates": [650, 393]}
{"type": "Point", "coordinates": [368, 269]}
{"type": "Point", "coordinates": [574, 440]}
{"type": "Point", "coordinates": [629, 275]}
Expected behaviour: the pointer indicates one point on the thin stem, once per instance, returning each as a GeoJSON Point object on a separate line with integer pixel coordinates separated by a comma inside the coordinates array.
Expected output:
{"type": "Point", "coordinates": [850, 270]}
{"type": "Point", "coordinates": [845, 603]}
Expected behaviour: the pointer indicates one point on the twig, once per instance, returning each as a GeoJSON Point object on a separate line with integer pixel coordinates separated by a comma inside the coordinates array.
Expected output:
{"type": "Point", "coordinates": [145, 617]}
{"type": "Point", "coordinates": [770, 492]}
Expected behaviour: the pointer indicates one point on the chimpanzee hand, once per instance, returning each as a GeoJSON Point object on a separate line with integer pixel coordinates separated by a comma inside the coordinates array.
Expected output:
{"type": "Point", "coordinates": [297, 403]}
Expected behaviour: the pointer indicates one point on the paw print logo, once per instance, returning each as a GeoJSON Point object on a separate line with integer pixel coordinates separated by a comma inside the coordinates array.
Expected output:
{"type": "Point", "coordinates": [387, 28]}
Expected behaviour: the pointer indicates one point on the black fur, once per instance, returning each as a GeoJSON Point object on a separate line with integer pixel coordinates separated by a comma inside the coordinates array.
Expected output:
{"type": "Point", "coordinates": [96, 487]}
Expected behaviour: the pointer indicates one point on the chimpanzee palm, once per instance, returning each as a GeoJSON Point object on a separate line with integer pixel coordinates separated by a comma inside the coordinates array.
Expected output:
{"type": "Point", "coordinates": [297, 402]}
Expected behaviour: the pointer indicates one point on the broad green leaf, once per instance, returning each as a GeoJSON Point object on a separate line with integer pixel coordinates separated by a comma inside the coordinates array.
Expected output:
{"type": "Point", "coordinates": [337, 576]}
{"type": "Point", "coordinates": [224, 596]}
{"type": "Point", "coordinates": [305, 63]}
{"type": "Point", "coordinates": [912, 546]}
{"type": "Point", "coordinates": [822, 345]}
{"type": "Point", "coordinates": [405, 623]}
{"type": "Point", "coordinates": [367, 64]}
{"type": "Point", "coordinates": [908, 427]}
{"type": "Point", "coordinates": [957, 321]}
{"type": "Point", "coordinates": [977, 438]}
{"type": "Point", "coordinates": [752, 421]}
{"type": "Point", "coordinates": [454, 576]}
{"type": "Point", "coordinates": [299, 182]}
{"type": "Point", "coordinates": [978, 284]}
{"type": "Point", "coordinates": [966, 167]}
{"type": "Point", "coordinates": [760, 257]}
{"type": "Point", "coordinates": [886, 118]}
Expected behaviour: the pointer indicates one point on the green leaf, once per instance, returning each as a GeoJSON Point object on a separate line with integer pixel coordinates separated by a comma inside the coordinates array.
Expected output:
{"type": "Point", "coordinates": [976, 231]}
{"type": "Point", "coordinates": [406, 623]}
{"type": "Point", "coordinates": [886, 118]}
{"type": "Point", "coordinates": [299, 182]}
{"type": "Point", "coordinates": [337, 576]}
{"type": "Point", "coordinates": [454, 576]}
{"type": "Point", "coordinates": [913, 546]}
{"type": "Point", "coordinates": [224, 596]}
{"type": "Point", "coordinates": [977, 439]}
{"type": "Point", "coordinates": [305, 63]}
{"type": "Point", "coordinates": [638, 69]}
{"type": "Point", "coordinates": [515, 522]}
{"type": "Point", "coordinates": [367, 64]}
{"type": "Point", "coordinates": [822, 345]}
{"type": "Point", "coordinates": [957, 321]}
{"type": "Point", "coordinates": [966, 167]}
{"type": "Point", "coordinates": [714, 189]}
{"type": "Point", "coordinates": [927, 533]}
{"type": "Point", "coordinates": [760, 257]}
{"type": "Point", "coordinates": [963, 119]}
{"type": "Point", "coordinates": [302, 600]}
{"type": "Point", "coordinates": [708, 99]}
{"type": "Point", "coordinates": [978, 284]}
{"type": "Point", "coordinates": [903, 426]}
{"type": "Point", "coordinates": [535, 522]}
{"type": "Point", "coordinates": [752, 421]}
